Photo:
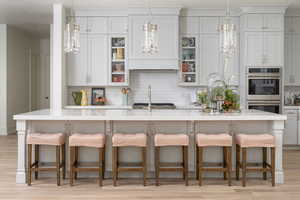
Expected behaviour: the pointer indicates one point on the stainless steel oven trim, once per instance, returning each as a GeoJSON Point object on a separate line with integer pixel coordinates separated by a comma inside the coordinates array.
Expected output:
{"type": "Point", "coordinates": [263, 97]}
{"type": "Point", "coordinates": [264, 103]}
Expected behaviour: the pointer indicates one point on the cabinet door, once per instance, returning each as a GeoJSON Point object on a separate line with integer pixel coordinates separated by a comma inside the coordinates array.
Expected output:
{"type": "Point", "coordinates": [209, 24]}
{"type": "Point", "coordinates": [296, 24]}
{"type": "Point", "coordinates": [97, 59]}
{"type": "Point", "coordinates": [290, 136]}
{"type": "Point", "coordinates": [78, 64]}
{"type": "Point", "coordinates": [296, 59]}
{"type": "Point", "coordinates": [254, 22]}
{"type": "Point", "coordinates": [289, 78]}
{"type": "Point", "coordinates": [254, 48]}
{"type": "Point", "coordinates": [189, 25]}
{"type": "Point", "coordinates": [273, 22]}
{"type": "Point", "coordinates": [209, 56]}
{"type": "Point", "coordinates": [97, 25]}
{"type": "Point", "coordinates": [118, 25]}
{"type": "Point", "coordinates": [273, 48]}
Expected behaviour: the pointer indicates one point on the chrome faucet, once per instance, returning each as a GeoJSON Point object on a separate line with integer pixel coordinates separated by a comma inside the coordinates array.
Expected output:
{"type": "Point", "coordinates": [149, 99]}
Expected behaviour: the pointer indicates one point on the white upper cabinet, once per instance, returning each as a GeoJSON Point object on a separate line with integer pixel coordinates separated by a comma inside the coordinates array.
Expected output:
{"type": "Point", "coordinates": [189, 25]}
{"type": "Point", "coordinates": [209, 56]}
{"type": "Point", "coordinates": [209, 24]}
{"type": "Point", "coordinates": [97, 59]}
{"type": "Point", "coordinates": [291, 128]}
{"type": "Point", "coordinates": [289, 78]}
{"type": "Point", "coordinates": [77, 64]}
{"type": "Point", "coordinates": [97, 25]}
{"type": "Point", "coordinates": [263, 22]}
{"type": "Point", "coordinates": [118, 25]}
{"type": "Point", "coordinates": [167, 34]}
{"type": "Point", "coordinates": [264, 48]}
{"type": "Point", "coordinates": [254, 49]}
{"type": "Point", "coordinates": [292, 24]}
{"type": "Point", "coordinates": [273, 49]}
{"type": "Point", "coordinates": [82, 22]}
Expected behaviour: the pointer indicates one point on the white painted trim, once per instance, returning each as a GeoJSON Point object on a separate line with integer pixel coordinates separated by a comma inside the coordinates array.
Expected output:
{"type": "Point", "coordinates": [264, 9]}
{"type": "Point", "coordinates": [3, 79]}
{"type": "Point", "coordinates": [206, 12]}
{"type": "Point", "coordinates": [21, 167]}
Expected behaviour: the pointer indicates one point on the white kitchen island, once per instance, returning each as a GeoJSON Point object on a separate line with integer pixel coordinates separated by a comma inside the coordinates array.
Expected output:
{"type": "Point", "coordinates": [157, 121]}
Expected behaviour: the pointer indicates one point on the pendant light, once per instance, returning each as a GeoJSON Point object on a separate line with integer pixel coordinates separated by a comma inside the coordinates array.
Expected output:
{"type": "Point", "coordinates": [150, 43]}
{"type": "Point", "coordinates": [71, 34]}
{"type": "Point", "coordinates": [228, 39]}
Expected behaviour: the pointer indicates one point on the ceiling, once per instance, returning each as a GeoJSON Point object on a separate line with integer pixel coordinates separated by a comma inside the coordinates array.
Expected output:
{"type": "Point", "coordinates": [33, 16]}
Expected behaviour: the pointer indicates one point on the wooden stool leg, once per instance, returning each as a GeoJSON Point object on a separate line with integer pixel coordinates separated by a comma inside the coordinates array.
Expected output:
{"type": "Point", "coordinates": [29, 149]}
{"type": "Point", "coordinates": [237, 162]}
{"type": "Point", "coordinates": [264, 155]}
{"type": "Point", "coordinates": [36, 160]}
{"type": "Point", "coordinates": [63, 157]}
{"type": "Point", "coordinates": [144, 157]}
{"type": "Point", "coordinates": [100, 167]}
{"type": "Point", "coordinates": [273, 157]}
{"type": "Point", "coordinates": [157, 161]}
{"type": "Point", "coordinates": [114, 162]}
{"type": "Point", "coordinates": [58, 165]}
{"type": "Point", "coordinates": [76, 161]}
{"type": "Point", "coordinates": [186, 165]}
{"type": "Point", "coordinates": [244, 152]}
{"type": "Point", "coordinates": [103, 163]}
{"type": "Point", "coordinates": [71, 175]}
{"type": "Point", "coordinates": [225, 162]}
{"type": "Point", "coordinates": [183, 162]}
{"type": "Point", "coordinates": [229, 164]}
{"type": "Point", "coordinates": [200, 154]}
{"type": "Point", "coordinates": [197, 162]}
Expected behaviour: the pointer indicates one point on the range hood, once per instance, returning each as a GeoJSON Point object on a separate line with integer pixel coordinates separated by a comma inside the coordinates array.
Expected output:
{"type": "Point", "coordinates": [167, 57]}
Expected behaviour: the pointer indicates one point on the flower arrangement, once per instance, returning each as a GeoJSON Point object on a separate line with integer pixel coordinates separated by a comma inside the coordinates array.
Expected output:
{"type": "Point", "coordinates": [231, 101]}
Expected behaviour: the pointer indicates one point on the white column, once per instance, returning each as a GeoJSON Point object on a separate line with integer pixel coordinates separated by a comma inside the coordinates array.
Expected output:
{"type": "Point", "coordinates": [57, 67]}
{"type": "Point", "coordinates": [21, 170]}
{"type": "Point", "coordinates": [277, 131]}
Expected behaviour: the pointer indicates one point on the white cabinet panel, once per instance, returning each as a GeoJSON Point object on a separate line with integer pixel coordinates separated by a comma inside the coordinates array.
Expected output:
{"type": "Point", "coordinates": [296, 59]}
{"type": "Point", "coordinates": [209, 56]}
{"type": "Point", "coordinates": [118, 24]}
{"type": "Point", "coordinates": [82, 22]}
{"type": "Point", "coordinates": [296, 24]}
{"type": "Point", "coordinates": [98, 59]}
{"type": "Point", "coordinates": [209, 24]}
{"type": "Point", "coordinates": [78, 64]}
{"type": "Point", "coordinates": [97, 25]}
{"type": "Point", "coordinates": [273, 48]}
{"type": "Point", "coordinates": [273, 22]}
{"type": "Point", "coordinates": [254, 48]}
{"type": "Point", "coordinates": [289, 78]}
{"type": "Point", "coordinates": [290, 136]}
{"type": "Point", "coordinates": [189, 25]}
{"type": "Point", "coordinates": [253, 22]}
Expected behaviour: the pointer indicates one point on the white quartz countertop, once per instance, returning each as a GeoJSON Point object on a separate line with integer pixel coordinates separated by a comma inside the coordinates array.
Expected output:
{"type": "Point", "coordinates": [144, 115]}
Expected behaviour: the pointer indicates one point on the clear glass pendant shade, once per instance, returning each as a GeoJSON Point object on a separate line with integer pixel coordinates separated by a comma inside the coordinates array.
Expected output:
{"type": "Point", "coordinates": [228, 38]}
{"type": "Point", "coordinates": [72, 37]}
{"type": "Point", "coordinates": [150, 44]}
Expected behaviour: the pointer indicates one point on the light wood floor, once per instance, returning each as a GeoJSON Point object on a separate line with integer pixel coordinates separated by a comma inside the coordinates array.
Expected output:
{"type": "Point", "coordinates": [87, 189]}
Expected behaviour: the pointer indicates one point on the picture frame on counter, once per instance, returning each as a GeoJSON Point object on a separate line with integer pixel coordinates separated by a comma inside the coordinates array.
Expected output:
{"type": "Point", "coordinates": [98, 96]}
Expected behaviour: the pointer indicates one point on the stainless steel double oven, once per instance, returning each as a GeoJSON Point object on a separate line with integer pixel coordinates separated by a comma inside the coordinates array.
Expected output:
{"type": "Point", "coordinates": [264, 89]}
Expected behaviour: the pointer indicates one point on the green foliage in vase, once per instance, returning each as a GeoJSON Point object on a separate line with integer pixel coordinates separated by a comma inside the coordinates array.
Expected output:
{"type": "Point", "coordinates": [231, 101]}
{"type": "Point", "coordinates": [218, 93]}
{"type": "Point", "coordinates": [203, 97]}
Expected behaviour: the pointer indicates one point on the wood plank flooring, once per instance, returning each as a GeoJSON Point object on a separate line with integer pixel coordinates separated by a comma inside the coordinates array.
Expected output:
{"type": "Point", "coordinates": [87, 189]}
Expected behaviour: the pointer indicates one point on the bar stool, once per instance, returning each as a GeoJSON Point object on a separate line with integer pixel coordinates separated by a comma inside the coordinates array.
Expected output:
{"type": "Point", "coordinates": [216, 140]}
{"type": "Point", "coordinates": [78, 140]}
{"type": "Point", "coordinates": [264, 141]}
{"type": "Point", "coordinates": [129, 140]}
{"type": "Point", "coordinates": [164, 140]}
{"type": "Point", "coordinates": [53, 139]}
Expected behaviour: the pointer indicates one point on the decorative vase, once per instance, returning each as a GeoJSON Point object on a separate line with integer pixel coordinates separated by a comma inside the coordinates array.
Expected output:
{"type": "Point", "coordinates": [125, 99]}
{"type": "Point", "coordinates": [84, 99]}
{"type": "Point", "coordinates": [77, 96]}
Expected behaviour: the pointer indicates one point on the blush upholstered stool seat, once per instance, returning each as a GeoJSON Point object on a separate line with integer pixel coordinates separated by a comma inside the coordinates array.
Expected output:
{"type": "Point", "coordinates": [214, 140]}
{"type": "Point", "coordinates": [264, 141]}
{"type": "Point", "coordinates": [53, 139]}
{"type": "Point", "coordinates": [164, 140]}
{"type": "Point", "coordinates": [77, 140]}
{"type": "Point", "coordinates": [129, 140]}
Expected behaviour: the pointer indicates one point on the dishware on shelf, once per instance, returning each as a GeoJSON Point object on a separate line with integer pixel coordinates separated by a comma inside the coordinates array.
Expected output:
{"type": "Point", "coordinates": [120, 53]}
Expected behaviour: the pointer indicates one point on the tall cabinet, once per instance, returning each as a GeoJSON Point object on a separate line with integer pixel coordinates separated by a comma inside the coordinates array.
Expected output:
{"type": "Point", "coordinates": [200, 53]}
{"type": "Point", "coordinates": [101, 38]}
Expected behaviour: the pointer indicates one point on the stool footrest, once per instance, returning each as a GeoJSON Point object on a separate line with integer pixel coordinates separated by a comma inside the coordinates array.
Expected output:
{"type": "Point", "coordinates": [214, 169]}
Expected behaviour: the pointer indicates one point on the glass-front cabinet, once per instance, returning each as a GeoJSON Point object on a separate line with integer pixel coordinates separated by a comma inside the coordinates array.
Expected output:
{"type": "Point", "coordinates": [118, 61]}
{"type": "Point", "coordinates": [188, 58]}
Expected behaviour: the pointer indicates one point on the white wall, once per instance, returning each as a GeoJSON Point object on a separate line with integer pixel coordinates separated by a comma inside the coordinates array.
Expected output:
{"type": "Point", "coordinates": [21, 48]}
{"type": "Point", "coordinates": [3, 79]}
